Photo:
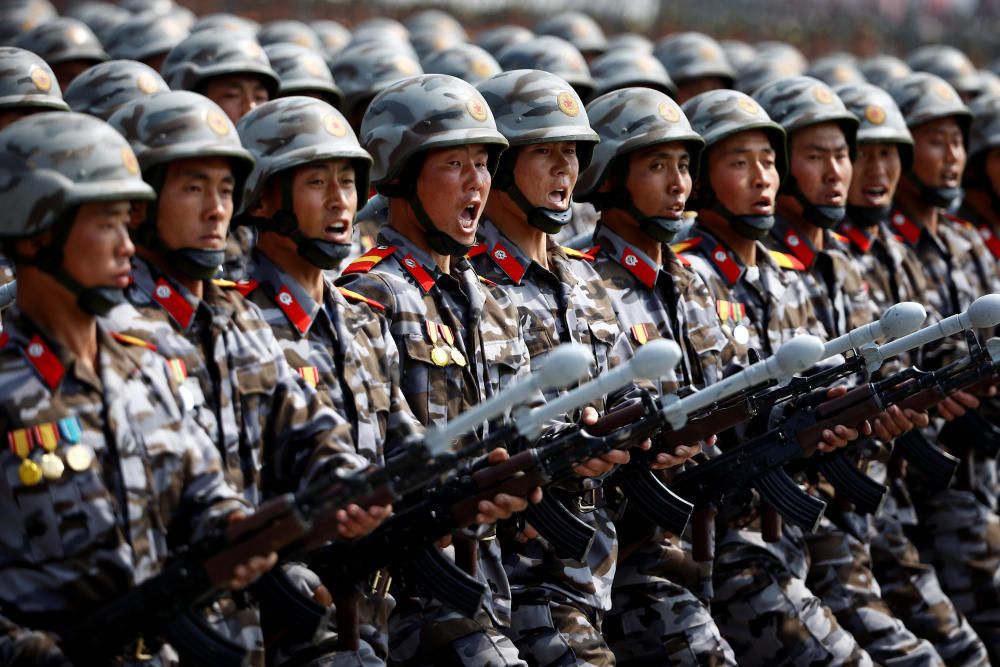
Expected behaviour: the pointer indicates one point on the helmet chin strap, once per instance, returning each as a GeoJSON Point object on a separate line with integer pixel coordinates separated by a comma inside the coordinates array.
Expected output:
{"type": "Point", "coordinates": [935, 196]}
{"type": "Point", "coordinates": [658, 228]}
{"type": "Point", "coordinates": [753, 227]}
{"type": "Point", "coordinates": [321, 254]}
{"type": "Point", "coordinates": [549, 220]}
{"type": "Point", "coordinates": [824, 217]}
{"type": "Point", "coordinates": [439, 241]}
{"type": "Point", "coordinates": [868, 216]}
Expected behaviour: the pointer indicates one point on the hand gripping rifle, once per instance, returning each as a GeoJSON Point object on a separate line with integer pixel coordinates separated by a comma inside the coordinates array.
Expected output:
{"type": "Point", "coordinates": [289, 524]}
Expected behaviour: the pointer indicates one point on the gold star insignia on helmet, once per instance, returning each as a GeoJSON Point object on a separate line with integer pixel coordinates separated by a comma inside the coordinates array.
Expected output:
{"type": "Point", "coordinates": [567, 103]}
{"type": "Point", "coordinates": [875, 114]}
{"type": "Point", "coordinates": [823, 95]}
{"type": "Point", "coordinates": [128, 159]}
{"type": "Point", "coordinates": [313, 66]}
{"type": "Point", "coordinates": [332, 125]}
{"type": "Point", "coordinates": [943, 91]}
{"type": "Point", "coordinates": [146, 84]}
{"type": "Point", "coordinates": [668, 112]}
{"type": "Point", "coordinates": [476, 109]}
{"type": "Point", "coordinates": [748, 105]}
{"type": "Point", "coordinates": [217, 123]}
{"type": "Point", "coordinates": [41, 79]}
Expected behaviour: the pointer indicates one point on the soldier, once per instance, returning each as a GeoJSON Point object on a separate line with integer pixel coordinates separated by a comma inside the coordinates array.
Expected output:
{"type": "Point", "coordinates": [550, 54]}
{"type": "Point", "coordinates": [981, 180]}
{"type": "Point", "coordinates": [761, 307]}
{"type": "Point", "coordinates": [951, 65]}
{"type": "Point", "coordinates": [303, 72]}
{"type": "Point", "coordinates": [558, 603]}
{"type": "Point", "coordinates": [288, 32]}
{"type": "Point", "coordinates": [959, 533]}
{"type": "Point", "coordinates": [147, 38]}
{"type": "Point", "coordinates": [695, 62]}
{"type": "Point", "coordinates": [465, 61]}
{"type": "Point", "coordinates": [882, 69]}
{"type": "Point", "coordinates": [627, 68]}
{"type": "Point", "coordinates": [640, 178]}
{"type": "Point", "coordinates": [28, 86]}
{"type": "Point", "coordinates": [86, 509]}
{"type": "Point", "coordinates": [577, 28]}
{"type": "Point", "coordinates": [363, 70]}
{"type": "Point", "coordinates": [435, 146]}
{"type": "Point", "coordinates": [67, 45]}
{"type": "Point", "coordinates": [496, 39]}
{"type": "Point", "coordinates": [105, 87]}
{"type": "Point", "coordinates": [812, 200]}
{"type": "Point", "coordinates": [309, 175]}
{"type": "Point", "coordinates": [885, 150]}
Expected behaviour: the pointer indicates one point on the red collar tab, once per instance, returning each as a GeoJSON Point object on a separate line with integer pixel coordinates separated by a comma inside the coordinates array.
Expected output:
{"type": "Point", "coordinates": [45, 362]}
{"type": "Point", "coordinates": [988, 237]}
{"type": "Point", "coordinates": [799, 247]}
{"type": "Point", "coordinates": [418, 272]}
{"type": "Point", "coordinates": [365, 263]}
{"type": "Point", "coordinates": [506, 261]}
{"type": "Point", "coordinates": [906, 228]}
{"type": "Point", "coordinates": [638, 267]}
{"type": "Point", "coordinates": [246, 287]}
{"type": "Point", "coordinates": [727, 265]}
{"type": "Point", "coordinates": [292, 310]}
{"type": "Point", "coordinates": [593, 251]}
{"type": "Point", "coordinates": [861, 241]}
{"type": "Point", "coordinates": [477, 250]}
{"type": "Point", "coordinates": [176, 305]}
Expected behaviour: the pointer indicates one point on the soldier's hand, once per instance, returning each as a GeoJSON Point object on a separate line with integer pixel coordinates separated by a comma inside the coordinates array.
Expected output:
{"type": "Point", "coordinates": [955, 405]}
{"type": "Point", "coordinates": [354, 521]}
{"type": "Point", "coordinates": [680, 455]}
{"type": "Point", "coordinates": [840, 435]}
{"type": "Point", "coordinates": [246, 573]}
{"type": "Point", "coordinates": [33, 649]}
{"type": "Point", "coordinates": [503, 505]}
{"type": "Point", "coordinates": [600, 465]}
{"type": "Point", "coordinates": [895, 421]}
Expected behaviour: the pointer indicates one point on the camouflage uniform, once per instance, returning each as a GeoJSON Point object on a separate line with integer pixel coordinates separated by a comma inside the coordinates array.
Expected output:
{"type": "Point", "coordinates": [457, 343]}
{"type": "Point", "coordinates": [660, 595]}
{"type": "Point", "coordinates": [761, 307]}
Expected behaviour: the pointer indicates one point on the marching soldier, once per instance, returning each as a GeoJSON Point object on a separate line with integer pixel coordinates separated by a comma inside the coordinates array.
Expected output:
{"type": "Point", "coordinates": [695, 62]}
{"type": "Point", "coordinates": [639, 179]}
{"type": "Point", "coordinates": [105, 87]}
{"type": "Point", "coordinates": [67, 45]}
{"type": "Point", "coordinates": [105, 465]}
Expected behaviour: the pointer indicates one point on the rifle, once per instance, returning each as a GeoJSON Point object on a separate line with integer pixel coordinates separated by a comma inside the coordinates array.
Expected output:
{"type": "Point", "coordinates": [289, 524]}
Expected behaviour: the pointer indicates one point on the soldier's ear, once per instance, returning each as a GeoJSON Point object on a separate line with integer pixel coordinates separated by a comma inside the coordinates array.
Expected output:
{"type": "Point", "coordinates": [137, 214]}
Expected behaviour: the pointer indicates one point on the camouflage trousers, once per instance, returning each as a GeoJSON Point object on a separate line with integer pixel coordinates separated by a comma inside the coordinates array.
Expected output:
{"type": "Point", "coordinates": [912, 590]}
{"type": "Point", "coordinates": [959, 534]}
{"type": "Point", "coordinates": [425, 632]}
{"type": "Point", "coordinates": [553, 632]}
{"type": "Point", "coordinates": [655, 618]}
{"type": "Point", "coordinates": [766, 611]}
{"type": "Point", "coordinates": [840, 574]}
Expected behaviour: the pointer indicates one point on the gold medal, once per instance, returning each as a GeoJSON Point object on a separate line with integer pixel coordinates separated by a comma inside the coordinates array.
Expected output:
{"type": "Point", "coordinates": [29, 472]}
{"type": "Point", "coordinates": [439, 356]}
{"type": "Point", "coordinates": [52, 467]}
{"type": "Point", "coordinates": [457, 357]}
{"type": "Point", "coordinates": [79, 458]}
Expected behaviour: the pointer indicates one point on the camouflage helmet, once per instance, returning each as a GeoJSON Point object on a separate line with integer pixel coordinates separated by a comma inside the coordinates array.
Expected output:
{"type": "Point", "coordinates": [627, 68]}
{"type": "Point", "coordinates": [986, 127]}
{"type": "Point", "coordinates": [302, 71]}
{"type": "Point", "coordinates": [426, 43]}
{"type": "Point", "coordinates": [535, 107]}
{"type": "Point", "coordinates": [577, 28]}
{"type": "Point", "coordinates": [179, 125]}
{"type": "Point", "coordinates": [381, 29]}
{"type": "Point", "coordinates": [783, 51]}
{"type": "Point", "coordinates": [145, 36]}
{"type": "Point", "coordinates": [692, 55]}
{"type": "Point", "coordinates": [550, 54]}
{"type": "Point", "coordinates": [435, 20]}
{"type": "Point", "coordinates": [226, 23]}
{"type": "Point", "coordinates": [991, 82]}
{"type": "Point", "coordinates": [61, 40]}
{"type": "Point", "coordinates": [105, 87]}
{"type": "Point", "coordinates": [17, 16]}
{"type": "Point", "coordinates": [363, 70]}
{"type": "Point", "coordinates": [882, 69]}
{"type": "Point", "coordinates": [739, 53]}
{"type": "Point", "coordinates": [332, 35]}
{"type": "Point", "coordinates": [27, 82]}
{"type": "Point", "coordinates": [288, 32]}
{"type": "Point", "coordinates": [836, 69]}
{"type": "Point", "coordinates": [950, 64]}
{"type": "Point", "coordinates": [465, 61]}
{"type": "Point", "coordinates": [497, 39]}
{"type": "Point", "coordinates": [762, 71]}
{"type": "Point", "coordinates": [56, 161]}
{"type": "Point", "coordinates": [627, 120]}
{"type": "Point", "coordinates": [880, 118]}
{"type": "Point", "coordinates": [147, 6]}
{"type": "Point", "coordinates": [204, 55]}
{"type": "Point", "coordinates": [924, 97]}
{"type": "Point", "coordinates": [802, 101]}
{"type": "Point", "coordinates": [293, 131]}
{"type": "Point", "coordinates": [630, 40]}
{"type": "Point", "coordinates": [718, 114]}
{"type": "Point", "coordinates": [101, 17]}
{"type": "Point", "coordinates": [421, 113]}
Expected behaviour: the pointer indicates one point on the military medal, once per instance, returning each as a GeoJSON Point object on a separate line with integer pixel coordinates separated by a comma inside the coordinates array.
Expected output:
{"type": "Point", "coordinates": [47, 436]}
{"type": "Point", "coordinates": [449, 337]}
{"type": "Point", "coordinates": [20, 443]}
{"type": "Point", "coordinates": [457, 357]}
{"type": "Point", "coordinates": [79, 458]}
{"type": "Point", "coordinates": [187, 398]}
{"type": "Point", "coordinates": [52, 467]}
{"type": "Point", "coordinates": [741, 334]}
{"type": "Point", "coordinates": [438, 354]}
{"type": "Point", "coordinates": [29, 472]}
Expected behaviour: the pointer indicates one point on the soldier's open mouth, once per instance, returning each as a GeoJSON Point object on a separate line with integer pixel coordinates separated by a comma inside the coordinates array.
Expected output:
{"type": "Point", "coordinates": [559, 197]}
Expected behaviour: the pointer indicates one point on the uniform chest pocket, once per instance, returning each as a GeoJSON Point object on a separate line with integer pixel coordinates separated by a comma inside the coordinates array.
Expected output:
{"type": "Point", "coordinates": [602, 335]}
{"type": "Point", "coordinates": [505, 360]}
{"type": "Point", "coordinates": [539, 340]}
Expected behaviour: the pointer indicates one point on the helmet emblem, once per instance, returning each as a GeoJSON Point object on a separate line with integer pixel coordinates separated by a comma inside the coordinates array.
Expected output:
{"type": "Point", "coordinates": [146, 84]}
{"type": "Point", "coordinates": [332, 125]}
{"type": "Point", "coordinates": [748, 105]}
{"type": "Point", "coordinates": [943, 91]}
{"type": "Point", "coordinates": [875, 114]}
{"type": "Point", "coordinates": [567, 103]}
{"type": "Point", "coordinates": [217, 123]}
{"type": "Point", "coordinates": [668, 112]}
{"type": "Point", "coordinates": [313, 66]}
{"type": "Point", "coordinates": [476, 108]}
{"type": "Point", "coordinates": [481, 68]}
{"type": "Point", "coordinates": [823, 95]}
{"type": "Point", "coordinates": [406, 66]}
{"type": "Point", "coordinates": [708, 53]}
{"type": "Point", "coordinates": [128, 159]}
{"type": "Point", "coordinates": [41, 79]}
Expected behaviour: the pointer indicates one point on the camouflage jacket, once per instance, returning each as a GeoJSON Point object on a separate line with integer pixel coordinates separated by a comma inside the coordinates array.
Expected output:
{"type": "Point", "coordinates": [341, 347]}
{"type": "Point", "coordinates": [833, 279]}
{"type": "Point", "coordinates": [759, 313]}
{"type": "Point", "coordinates": [458, 345]}
{"type": "Point", "coordinates": [568, 303]}
{"type": "Point", "coordinates": [265, 411]}
{"type": "Point", "coordinates": [668, 301]}
{"type": "Point", "coordinates": [124, 466]}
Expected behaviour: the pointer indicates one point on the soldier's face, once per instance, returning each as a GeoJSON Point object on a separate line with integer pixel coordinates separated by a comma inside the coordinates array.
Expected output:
{"type": "Point", "coordinates": [743, 173]}
{"type": "Point", "coordinates": [325, 200]}
{"type": "Point", "coordinates": [546, 173]}
{"type": "Point", "coordinates": [236, 94]}
{"type": "Point", "coordinates": [98, 247]}
{"type": "Point", "coordinates": [877, 168]}
{"type": "Point", "coordinates": [196, 204]}
{"type": "Point", "coordinates": [821, 164]}
{"type": "Point", "coordinates": [939, 153]}
{"type": "Point", "coordinates": [659, 179]}
{"type": "Point", "coordinates": [453, 186]}
{"type": "Point", "coordinates": [993, 169]}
